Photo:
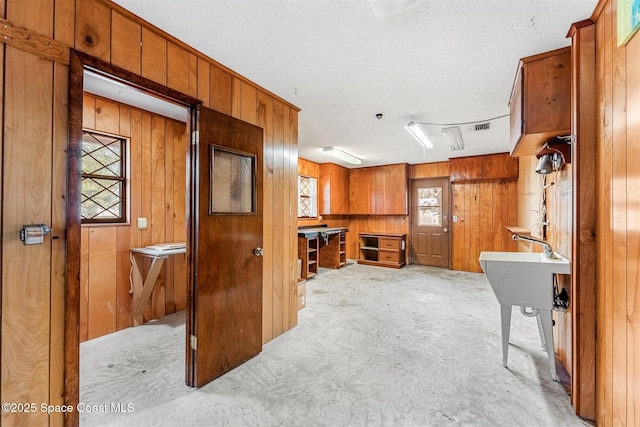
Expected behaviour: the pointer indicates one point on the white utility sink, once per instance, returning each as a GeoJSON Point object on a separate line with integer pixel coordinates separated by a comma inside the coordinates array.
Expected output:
{"type": "Point", "coordinates": [525, 279]}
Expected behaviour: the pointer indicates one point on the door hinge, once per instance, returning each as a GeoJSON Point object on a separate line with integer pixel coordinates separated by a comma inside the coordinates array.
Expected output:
{"type": "Point", "coordinates": [194, 342]}
{"type": "Point", "coordinates": [195, 137]}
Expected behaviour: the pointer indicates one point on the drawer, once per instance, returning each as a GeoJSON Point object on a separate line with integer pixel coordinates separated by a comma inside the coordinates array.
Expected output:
{"type": "Point", "coordinates": [388, 243]}
{"type": "Point", "coordinates": [388, 256]}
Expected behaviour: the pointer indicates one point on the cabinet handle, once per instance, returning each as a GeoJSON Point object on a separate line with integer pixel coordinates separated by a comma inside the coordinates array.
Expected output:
{"type": "Point", "coordinates": [258, 251]}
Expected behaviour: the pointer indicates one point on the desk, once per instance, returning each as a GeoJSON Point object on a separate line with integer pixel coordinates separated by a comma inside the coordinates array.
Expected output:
{"type": "Point", "coordinates": [141, 288]}
{"type": "Point", "coordinates": [321, 246]}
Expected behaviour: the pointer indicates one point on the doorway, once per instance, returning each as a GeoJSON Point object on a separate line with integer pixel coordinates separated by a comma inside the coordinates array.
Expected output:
{"type": "Point", "coordinates": [201, 234]}
{"type": "Point", "coordinates": [430, 216]}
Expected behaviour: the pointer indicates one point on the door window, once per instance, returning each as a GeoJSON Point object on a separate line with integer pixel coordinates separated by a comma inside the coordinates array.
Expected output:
{"type": "Point", "coordinates": [430, 207]}
{"type": "Point", "coordinates": [232, 182]}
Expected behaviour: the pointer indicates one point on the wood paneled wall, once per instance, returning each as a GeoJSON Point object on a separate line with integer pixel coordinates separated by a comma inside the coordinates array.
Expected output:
{"type": "Point", "coordinates": [157, 148]}
{"type": "Point", "coordinates": [554, 206]}
{"type": "Point", "coordinates": [483, 209]}
{"type": "Point", "coordinates": [618, 223]}
{"type": "Point", "coordinates": [34, 166]}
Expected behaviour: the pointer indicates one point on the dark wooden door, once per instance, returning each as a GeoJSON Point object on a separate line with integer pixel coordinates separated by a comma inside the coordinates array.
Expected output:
{"type": "Point", "coordinates": [430, 213]}
{"type": "Point", "coordinates": [224, 320]}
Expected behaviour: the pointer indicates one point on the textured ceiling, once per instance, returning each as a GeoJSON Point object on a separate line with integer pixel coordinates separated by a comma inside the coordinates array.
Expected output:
{"type": "Point", "coordinates": [436, 61]}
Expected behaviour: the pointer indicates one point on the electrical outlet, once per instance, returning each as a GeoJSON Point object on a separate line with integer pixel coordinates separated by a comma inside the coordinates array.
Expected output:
{"type": "Point", "coordinates": [142, 223]}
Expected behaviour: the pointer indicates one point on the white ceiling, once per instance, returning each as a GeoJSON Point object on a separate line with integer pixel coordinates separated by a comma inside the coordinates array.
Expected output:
{"type": "Point", "coordinates": [437, 61]}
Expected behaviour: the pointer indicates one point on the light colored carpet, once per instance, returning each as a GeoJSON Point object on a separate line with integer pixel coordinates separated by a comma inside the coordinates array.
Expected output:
{"type": "Point", "coordinates": [418, 346]}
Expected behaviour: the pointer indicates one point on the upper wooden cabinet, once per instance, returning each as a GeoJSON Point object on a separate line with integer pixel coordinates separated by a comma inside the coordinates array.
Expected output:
{"type": "Point", "coordinates": [483, 168]}
{"type": "Point", "coordinates": [540, 101]}
{"type": "Point", "coordinates": [333, 191]}
{"type": "Point", "coordinates": [380, 190]}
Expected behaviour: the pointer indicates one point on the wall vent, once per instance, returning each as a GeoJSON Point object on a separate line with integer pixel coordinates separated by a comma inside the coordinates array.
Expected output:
{"type": "Point", "coordinates": [482, 126]}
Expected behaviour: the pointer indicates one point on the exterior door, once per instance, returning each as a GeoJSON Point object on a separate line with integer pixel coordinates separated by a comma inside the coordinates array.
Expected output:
{"type": "Point", "coordinates": [430, 241]}
{"type": "Point", "coordinates": [224, 320]}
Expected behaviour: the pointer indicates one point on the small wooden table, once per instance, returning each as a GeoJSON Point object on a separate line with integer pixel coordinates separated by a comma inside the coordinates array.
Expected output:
{"type": "Point", "coordinates": [143, 287]}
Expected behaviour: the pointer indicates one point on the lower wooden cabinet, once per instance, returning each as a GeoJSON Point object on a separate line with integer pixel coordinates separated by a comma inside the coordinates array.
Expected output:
{"type": "Point", "coordinates": [308, 254]}
{"type": "Point", "coordinates": [383, 249]}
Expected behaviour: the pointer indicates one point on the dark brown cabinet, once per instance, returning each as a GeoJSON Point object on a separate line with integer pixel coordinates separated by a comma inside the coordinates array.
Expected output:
{"type": "Point", "coordinates": [540, 103]}
{"type": "Point", "coordinates": [383, 249]}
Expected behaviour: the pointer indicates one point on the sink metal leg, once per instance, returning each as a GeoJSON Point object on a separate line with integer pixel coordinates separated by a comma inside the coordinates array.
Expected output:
{"type": "Point", "coordinates": [505, 317]}
{"type": "Point", "coordinates": [546, 318]}
{"type": "Point", "coordinates": [543, 341]}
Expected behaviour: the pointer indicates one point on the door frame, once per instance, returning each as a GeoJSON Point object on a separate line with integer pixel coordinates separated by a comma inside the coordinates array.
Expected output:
{"type": "Point", "coordinates": [412, 215]}
{"type": "Point", "coordinates": [79, 62]}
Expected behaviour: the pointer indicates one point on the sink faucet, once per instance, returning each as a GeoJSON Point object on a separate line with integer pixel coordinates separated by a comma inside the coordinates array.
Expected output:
{"type": "Point", "coordinates": [548, 251]}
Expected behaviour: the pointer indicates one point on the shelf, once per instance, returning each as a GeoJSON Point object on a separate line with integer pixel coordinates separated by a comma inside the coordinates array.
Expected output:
{"type": "Point", "coordinates": [368, 248]}
{"type": "Point", "coordinates": [383, 249]}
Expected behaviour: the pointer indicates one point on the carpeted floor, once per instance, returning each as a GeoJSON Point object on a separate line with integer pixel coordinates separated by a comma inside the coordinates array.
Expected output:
{"type": "Point", "coordinates": [418, 346]}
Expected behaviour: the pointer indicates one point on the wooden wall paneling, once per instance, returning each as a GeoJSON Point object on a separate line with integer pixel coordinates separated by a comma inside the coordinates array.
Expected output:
{"type": "Point", "coordinates": [457, 229]}
{"type": "Point", "coordinates": [177, 68]}
{"type": "Point", "coordinates": [204, 86]}
{"type": "Point", "coordinates": [619, 222]}
{"type": "Point", "coordinates": [154, 56]}
{"type": "Point", "coordinates": [58, 242]}
{"type": "Point", "coordinates": [126, 40]}
{"type": "Point", "coordinates": [474, 220]}
{"type": "Point", "coordinates": [107, 116]}
{"type": "Point", "coordinates": [124, 300]}
{"type": "Point", "coordinates": [486, 219]}
{"type": "Point", "coordinates": [278, 213]}
{"type": "Point", "coordinates": [249, 105]}
{"type": "Point", "coordinates": [633, 233]}
{"type": "Point", "coordinates": [158, 203]}
{"type": "Point", "coordinates": [146, 194]}
{"type": "Point", "coordinates": [89, 111]}
{"type": "Point", "coordinates": [64, 25]}
{"type": "Point", "coordinates": [265, 120]}
{"type": "Point", "coordinates": [27, 165]}
{"type": "Point", "coordinates": [135, 181]}
{"type": "Point", "coordinates": [30, 17]}
{"type": "Point", "coordinates": [169, 283]}
{"type": "Point", "coordinates": [285, 258]}
{"type": "Point", "coordinates": [606, 277]}
{"type": "Point", "coordinates": [84, 284]}
{"type": "Point", "coordinates": [125, 121]}
{"type": "Point", "coordinates": [180, 146]}
{"type": "Point", "coordinates": [293, 213]}
{"type": "Point", "coordinates": [102, 274]}
{"type": "Point", "coordinates": [236, 97]}
{"type": "Point", "coordinates": [193, 77]}
{"type": "Point", "coordinates": [220, 87]}
{"type": "Point", "coordinates": [93, 29]}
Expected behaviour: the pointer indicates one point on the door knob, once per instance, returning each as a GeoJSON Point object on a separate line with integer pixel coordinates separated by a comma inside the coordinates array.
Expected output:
{"type": "Point", "coordinates": [258, 251]}
{"type": "Point", "coordinates": [446, 230]}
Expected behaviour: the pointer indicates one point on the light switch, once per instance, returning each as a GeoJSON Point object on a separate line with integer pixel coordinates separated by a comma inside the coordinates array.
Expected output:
{"type": "Point", "coordinates": [454, 218]}
{"type": "Point", "coordinates": [142, 223]}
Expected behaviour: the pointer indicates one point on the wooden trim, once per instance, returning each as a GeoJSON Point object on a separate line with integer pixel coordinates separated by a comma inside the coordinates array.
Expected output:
{"type": "Point", "coordinates": [72, 288]}
{"type": "Point", "coordinates": [32, 42]}
{"type": "Point", "coordinates": [78, 63]}
{"type": "Point", "coordinates": [583, 277]}
{"type": "Point", "coordinates": [134, 80]}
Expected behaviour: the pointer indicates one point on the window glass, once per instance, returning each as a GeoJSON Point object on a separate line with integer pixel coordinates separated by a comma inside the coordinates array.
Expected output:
{"type": "Point", "coordinates": [430, 206]}
{"type": "Point", "coordinates": [307, 197]}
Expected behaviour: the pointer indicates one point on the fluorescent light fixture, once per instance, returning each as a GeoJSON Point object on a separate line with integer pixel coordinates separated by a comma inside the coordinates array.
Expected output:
{"type": "Point", "coordinates": [414, 129]}
{"type": "Point", "coordinates": [453, 137]}
{"type": "Point", "coordinates": [338, 153]}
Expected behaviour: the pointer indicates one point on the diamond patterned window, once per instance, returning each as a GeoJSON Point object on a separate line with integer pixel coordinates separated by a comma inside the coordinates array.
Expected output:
{"type": "Point", "coordinates": [103, 197]}
{"type": "Point", "coordinates": [307, 197]}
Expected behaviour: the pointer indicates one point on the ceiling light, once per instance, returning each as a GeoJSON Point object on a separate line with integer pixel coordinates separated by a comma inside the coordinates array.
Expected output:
{"type": "Point", "coordinates": [454, 138]}
{"type": "Point", "coordinates": [418, 134]}
{"type": "Point", "coordinates": [338, 153]}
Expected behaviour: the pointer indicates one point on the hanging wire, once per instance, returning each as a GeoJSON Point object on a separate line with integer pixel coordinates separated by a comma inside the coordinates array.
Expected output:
{"type": "Point", "coordinates": [461, 123]}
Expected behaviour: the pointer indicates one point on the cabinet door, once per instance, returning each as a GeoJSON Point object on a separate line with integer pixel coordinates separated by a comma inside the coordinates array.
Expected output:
{"type": "Point", "coordinates": [359, 191]}
{"type": "Point", "coordinates": [334, 189]}
{"type": "Point", "coordinates": [395, 190]}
